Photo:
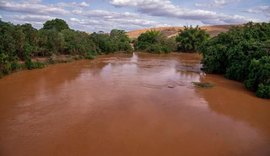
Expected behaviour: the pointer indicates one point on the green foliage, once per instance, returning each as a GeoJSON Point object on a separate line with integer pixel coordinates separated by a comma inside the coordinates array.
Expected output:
{"type": "Point", "coordinates": [241, 54]}
{"type": "Point", "coordinates": [263, 91]}
{"type": "Point", "coordinates": [117, 40]}
{"type": "Point", "coordinates": [29, 64]}
{"type": "Point", "coordinates": [7, 42]}
{"type": "Point", "coordinates": [50, 42]}
{"type": "Point", "coordinates": [56, 25]}
{"type": "Point", "coordinates": [190, 39]}
{"type": "Point", "coordinates": [22, 42]}
{"type": "Point", "coordinates": [78, 43]}
{"type": "Point", "coordinates": [258, 73]}
{"type": "Point", "coordinates": [31, 38]}
{"type": "Point", "coordinates": [5, 65]}
{"type": "Point", "coordinates": [90, 56]}
{"type": "Point", "coordinates": [121, 40]}
{"type": "Point", "coordinates": [155, 42]}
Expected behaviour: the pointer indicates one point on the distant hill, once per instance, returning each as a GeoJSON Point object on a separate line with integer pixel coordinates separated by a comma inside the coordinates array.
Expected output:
{"type": "Point", "coordinates": [173, 31]}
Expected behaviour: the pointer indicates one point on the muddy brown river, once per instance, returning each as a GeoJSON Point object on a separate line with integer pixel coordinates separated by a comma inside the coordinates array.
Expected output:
{"type": "Point", "coordinates": [130, 105]}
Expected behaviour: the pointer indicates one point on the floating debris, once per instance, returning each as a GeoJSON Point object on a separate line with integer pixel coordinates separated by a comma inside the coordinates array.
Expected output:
{"type": "Point", "coordinates": [203, 84]}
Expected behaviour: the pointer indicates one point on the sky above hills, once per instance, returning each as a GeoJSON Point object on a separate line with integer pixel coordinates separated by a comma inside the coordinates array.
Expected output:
{"type": "Point", "coordinates": [104, 15]}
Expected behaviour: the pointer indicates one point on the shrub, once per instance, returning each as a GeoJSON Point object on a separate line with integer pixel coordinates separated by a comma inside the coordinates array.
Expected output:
{"type": "Point", "coordinates": [190, 39]}
{"type": "Point", "coordinates": [242, 55]}
{"type": "Point", "coordinates": [263, 91]}
{"type": "Point", "coordinates": [29, 64]}
{"type": "Point", "coordinates": [155, 42]}
{"type": "Point", "coordinates": [5, 65]}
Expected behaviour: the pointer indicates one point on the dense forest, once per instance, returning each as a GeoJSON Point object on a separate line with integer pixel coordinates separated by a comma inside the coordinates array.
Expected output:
{"type": "Point", "coordinates": [241, 54]}
{"type": "Point", "coordinates": [20, 43]}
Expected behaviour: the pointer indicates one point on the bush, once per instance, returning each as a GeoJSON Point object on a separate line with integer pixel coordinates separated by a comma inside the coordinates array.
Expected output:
{"type": "Point", "coordinates": [190, 39]}
{"type": "Point", "coordinates": [117, 40]}
{"type": "Point", "coordinates": [5, 65]}
{"type": "Point", "coordinates": [263, 91]}
{"type": "Point", "coordinates": [242, 55]}
{"type": "Point", "coordinates": [155, 42]}
{"type": "Point", "coordinates": [33, 65]}
{"type": "Point", "coordinates": [78, 43]}
{"type": "Point", "coordinates": [258, 73]}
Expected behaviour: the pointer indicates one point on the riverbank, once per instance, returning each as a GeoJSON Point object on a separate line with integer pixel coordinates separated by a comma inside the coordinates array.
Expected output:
{"type": "Point", "coordinates": [43, 62]}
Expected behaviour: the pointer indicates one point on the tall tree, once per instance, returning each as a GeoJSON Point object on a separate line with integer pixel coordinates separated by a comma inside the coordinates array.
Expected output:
{"type": "Point", "coordinates": [55, 24]}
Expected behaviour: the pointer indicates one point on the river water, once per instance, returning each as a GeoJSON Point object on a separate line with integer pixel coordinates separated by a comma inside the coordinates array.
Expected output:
{"type": "Point", "coordinates": [130, 105]}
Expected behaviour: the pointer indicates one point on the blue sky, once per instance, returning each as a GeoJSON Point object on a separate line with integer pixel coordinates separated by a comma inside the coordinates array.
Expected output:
{"type": "Point", "coordinates": [104, 15]}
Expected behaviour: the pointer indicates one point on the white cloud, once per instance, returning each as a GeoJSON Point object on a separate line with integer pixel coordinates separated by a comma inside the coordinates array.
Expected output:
{"type": "Point", "coordinates": [217, 3]}
{"type": "Point", "coordinates": [33, 1]}
{"type": "Point", "coordinates": [73, 4]}
{"type": "Point", "coordinates": [101, 18]}
{"type": "Point", "coordinates": [83, 4]}
{"type": "Point", "coordinates": [103, 14]}
{"type": "Point", "coordinates": [32, 8]}
{"type": "Point", "coordinates": [80, 16]}
{"type": "Point", "coordinates": [260, 9]}
{"type": "Point", "coordinates": [36, 20]}
{"type": "Point", "coordinates": [165, 8]}
{"type": "Point", "coordinates": [33, 18]}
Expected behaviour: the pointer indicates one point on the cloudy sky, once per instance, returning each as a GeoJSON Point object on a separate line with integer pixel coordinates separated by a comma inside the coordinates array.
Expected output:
{"type": "Point", "coordinates": [104, 15]}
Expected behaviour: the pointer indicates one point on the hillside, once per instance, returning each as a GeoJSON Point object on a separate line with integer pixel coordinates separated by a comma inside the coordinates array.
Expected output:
{"type": "Point", "coordinates": [173, 31]}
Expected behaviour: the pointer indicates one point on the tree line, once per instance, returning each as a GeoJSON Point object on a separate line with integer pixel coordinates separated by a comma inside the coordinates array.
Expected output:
{"type": "Point", "coordinates": [20, 43]}
{"type": "Point", "coordinates": [188, 40]}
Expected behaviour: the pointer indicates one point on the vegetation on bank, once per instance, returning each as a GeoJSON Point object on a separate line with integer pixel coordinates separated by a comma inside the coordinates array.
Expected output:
{"type": "Point", "coordinates": [155, 42]}
{"type": "Point", "coordinates": [242, 54]}
{"type": "Point", "coordinates": [20, 43]}
{"type": "Point", "coordinates": [190, 39]}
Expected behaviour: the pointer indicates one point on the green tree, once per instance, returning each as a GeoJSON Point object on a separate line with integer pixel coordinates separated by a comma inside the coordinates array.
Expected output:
{"type": "Point", "coordinates": [241, 54]}
{"type": "Point", "coordinates": [50, 42]}
{"type": "Point", "coordinates": [55, 24]}
{"type": "Point", "coordinates": [258, 73]}
{"type": "Point", "coordinates": [190, 39]}
{"type": "Point", "coordinates": [154, 42]}
{"type": "Point", "coordinates": [78, 43]}
{"type": "Point", "coordinates": [120, 40]}
{"type": "Point", "coordinates": [117, 40]}
{"type": "Point", "coordinates": [31, 38]}
{"type": "Point", "coordinates": [7, 42]}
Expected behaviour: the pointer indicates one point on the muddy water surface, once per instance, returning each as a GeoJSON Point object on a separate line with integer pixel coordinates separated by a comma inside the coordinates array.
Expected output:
{"type": "Point", "coordinates": [130, 105]}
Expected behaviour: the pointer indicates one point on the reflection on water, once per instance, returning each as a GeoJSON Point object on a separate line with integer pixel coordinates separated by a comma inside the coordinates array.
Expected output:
{"type": "Point", "coordinates": [123, 104]}
{"type": "Point", "coordinates": [134, 58]}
